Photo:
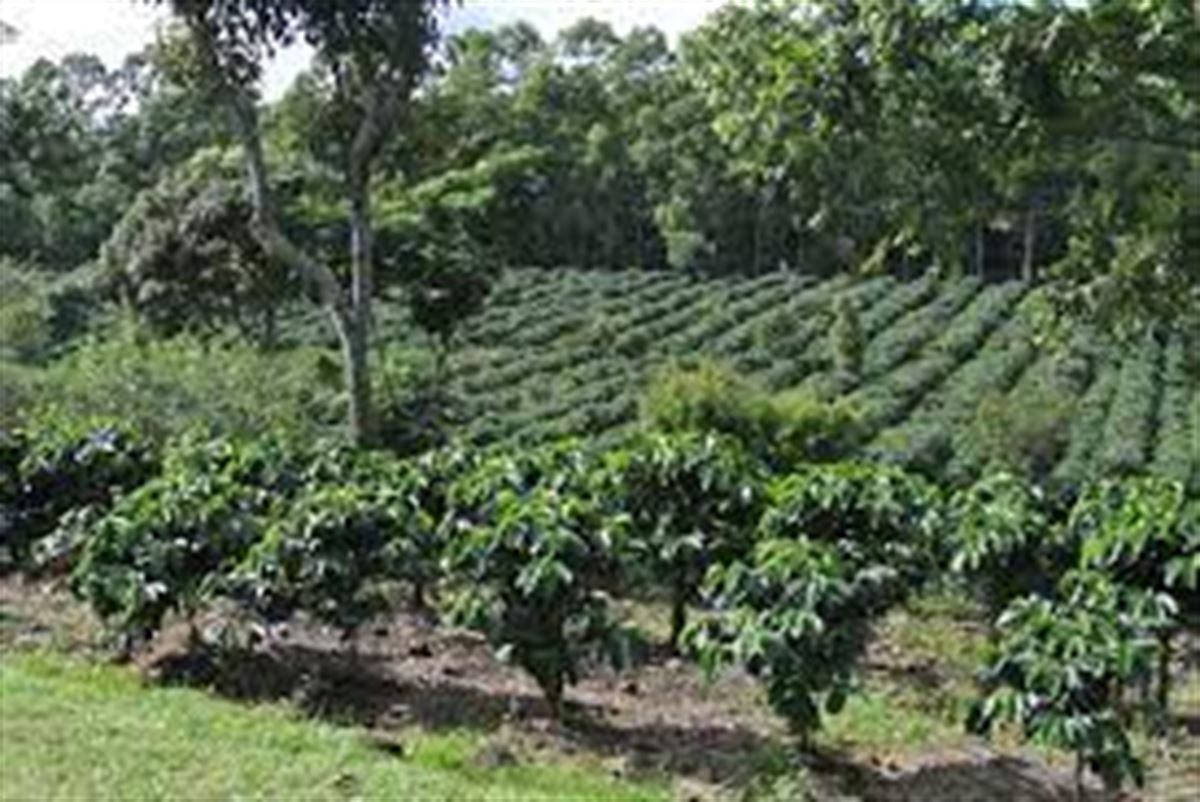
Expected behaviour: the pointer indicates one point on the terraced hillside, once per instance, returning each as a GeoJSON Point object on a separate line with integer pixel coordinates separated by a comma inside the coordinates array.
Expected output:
{"type": "Point", "coordinates": [568, 352]}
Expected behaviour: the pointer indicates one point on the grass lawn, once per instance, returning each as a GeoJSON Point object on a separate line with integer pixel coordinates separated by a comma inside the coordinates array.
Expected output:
{"type": "Point", "coordinates": [70, 730]}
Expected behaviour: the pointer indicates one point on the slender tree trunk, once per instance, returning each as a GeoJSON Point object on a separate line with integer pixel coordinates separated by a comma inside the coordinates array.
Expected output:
{"type": "Point", "coordinates": [979, 250]}
{"type": "Point", "coordinates": [358, 379]}
{"type": "Point", "coordinates": [678, 613]}
{"type": "Point", "coordinates": [758, 234]}
{"type": "Point", "coordinates": [356, 338]}
{"type": "Point", "coordinates": [1029, 245]}
{"type": "Point", "coordinates": [348, 312]}
{"type": "Point", "coordinates": [270, 328]}
{"type": "Point", "coordinates": [1163, 698]}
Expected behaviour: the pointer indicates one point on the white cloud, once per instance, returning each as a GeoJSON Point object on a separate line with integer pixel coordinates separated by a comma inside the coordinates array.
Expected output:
{"type": "Point", "coordinates": [114, 28]}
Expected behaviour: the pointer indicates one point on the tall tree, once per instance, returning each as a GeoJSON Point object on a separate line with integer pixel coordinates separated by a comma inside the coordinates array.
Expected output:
{"type": "Point", "coordinates": [374, 52]}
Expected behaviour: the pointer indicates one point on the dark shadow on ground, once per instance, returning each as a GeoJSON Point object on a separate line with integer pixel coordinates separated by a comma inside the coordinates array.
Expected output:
{"type": "Point", "coordinates": [359, 690]}
{"type": "Point", "coordinates": [985, 777]}
{"type": "Point", "coordinates": [340, 687]}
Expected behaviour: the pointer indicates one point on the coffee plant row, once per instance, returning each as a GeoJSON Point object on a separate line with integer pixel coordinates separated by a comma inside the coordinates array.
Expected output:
{"type": "Point", "coordinates": [568, 353]}
{"type": "Point", "coordinates": [783, 571]}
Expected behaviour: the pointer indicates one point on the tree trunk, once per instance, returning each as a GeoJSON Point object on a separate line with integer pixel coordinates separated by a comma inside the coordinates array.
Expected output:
{"type": "Point", "coordinates": [356, 339]}
{"type": "Point", "coordinates": [358, 378]}
{"type": "Point", "coordinates": [270, 329]}
{"type": "Point", "coordinates": [1163, 689]}
{"type": "Point", "coordinates": [678, 613]}
{"type": "Point", "coordinates": [1029, 245]}
{"type": "Point", "coordinates": [979, 250]}
{"type": "Point", "coordinates": [349, 312]}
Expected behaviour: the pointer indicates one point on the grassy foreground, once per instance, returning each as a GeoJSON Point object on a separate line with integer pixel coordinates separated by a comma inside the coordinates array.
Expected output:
{"type": "Point", "coordinates": [69, 730]}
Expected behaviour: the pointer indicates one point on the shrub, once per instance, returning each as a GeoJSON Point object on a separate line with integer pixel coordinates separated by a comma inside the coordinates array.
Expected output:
{"type": "Point", "coordinates": [840, 545]}
{"type": "Point", "coordinates": [24, 313]}
{"type": "Point", "coordinates": [59, 463]}
{"type": "Point", "coordinates": [1008, 540]}
{"type": "Point", "coordinates": [169, 545]}
{"type": "Point", "coordinates": [1025, 433]}
{"type": "Point", "coordinates": [806, 429]}
{"type": "Point", "coordinates": [847, 339]}
{"type": "Point", "coordinates": [704, 397]}
{"type": "Point", "coordinates": [693, 500]}
{"type": "Point", "coordinates": [783, 429]}
{"type": "Point", "coordinates": [1060, 667]}
{"type": "Point", "coordinates": [166, 387]}
{"type": "Point", "coordinates": [798, 615]}
{"type": "Point", "coordinates": [532, 546]}
{"type": "Point", "coordinates": [329, 554]}
{"type": "Point", "coordinates": [1144, 532]}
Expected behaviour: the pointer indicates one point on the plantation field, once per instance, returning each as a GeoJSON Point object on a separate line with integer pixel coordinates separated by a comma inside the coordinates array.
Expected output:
{"type": "Point", "coordinates": [569, 352]}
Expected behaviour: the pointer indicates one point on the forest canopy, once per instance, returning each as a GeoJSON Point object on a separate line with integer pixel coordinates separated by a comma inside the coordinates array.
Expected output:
{"type": "Point", "coordinates": [1049, 140]}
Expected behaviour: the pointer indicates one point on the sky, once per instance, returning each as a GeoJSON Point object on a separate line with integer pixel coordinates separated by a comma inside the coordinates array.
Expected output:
{"type": "Point", "coordinates": [113, 28]}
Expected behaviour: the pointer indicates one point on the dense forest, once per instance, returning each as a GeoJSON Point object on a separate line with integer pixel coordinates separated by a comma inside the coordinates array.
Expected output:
{"type": "Point", "coordinates": [826, 334]}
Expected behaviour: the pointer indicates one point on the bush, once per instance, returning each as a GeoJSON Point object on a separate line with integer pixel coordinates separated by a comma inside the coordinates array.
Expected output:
{"type": "Point", "coordinates": [329, 554]}
{"type": "Point", "coordinates": [693, 500]}
{"type": "Point", "coordinates": [1026, 433]}
{"type": "Point", "coordinates": [1060, 667]}
{"type": "Point", "coordinates": [532, 547]}
{"type": "Point", "coordinates": [798, 615]}
{"type": "Point", "coordinates": [24, 315]}
{"type": "Point", "coordinates": [1008, 540]}
{"type": "Point", "coordinates": [783, 429]}
{"type": "Point", "coordinates": [57, 464]}
{"type": "Point", "coordinates": [847, 340]}
{"type": "Point", "coordinates": [840, 546]}
{"type": "Point", "coordinates": [169, 545]}
{"type": "Point", "coordinates": [166, 387]}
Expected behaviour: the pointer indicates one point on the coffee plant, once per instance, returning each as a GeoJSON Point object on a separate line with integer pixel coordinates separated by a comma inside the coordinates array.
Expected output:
{"type": "Point", "coordinates": [60, 464]}
{"type": "Point", "coordinates": [169, 545]}
{"type": "Point", "coordinates": [840, 546]}
{"type": "Point", "coordinates": [693, 501]}
{"type": "Point", "coordinates": [329, 554]}
{"type": "Point", "coordinates": [1061, 666]}
{"type": "Point", "coordinates": [531, 549]}
{"type": "Point", "coordinates": [1007, 540]}
{"type": "Point", "coordinates": [1144, 534]}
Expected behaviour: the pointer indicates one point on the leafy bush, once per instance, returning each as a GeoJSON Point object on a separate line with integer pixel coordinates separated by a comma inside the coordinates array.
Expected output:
{"type": "Point", "coordinates": [59, 463]}
{"type": "Point", "coordinates": [24, 313]}
{"type": "Point", "coordinates": [1008, 540]}
{"type": "Point", "coordinates": [1144, 534]}
{"type": "Point", "coordinates": [840, 546]}
{"type": "Point", "coordinates": [166, 387]}
{"type": "Point", "coordinates": [169, 545]}
{"type": "Point", "coordinates": [1142, 531]}
{"type": "Point", "coordinates": [693, 500]}
{"type": "Point", "coordinates": [531, 549]}
{"type": "Point", "coordinates": [1060, 667]}
{"type": "Point", "coordinates": [799, 615]}
{"type": "Point", "coordinates": [705, 397]}
{"type": "Point", "coordinates": [329, 554]}
{"type": "Point", "coordinates": [1025, 433]}
{"type": "Point", "coordinates": [784, 429]}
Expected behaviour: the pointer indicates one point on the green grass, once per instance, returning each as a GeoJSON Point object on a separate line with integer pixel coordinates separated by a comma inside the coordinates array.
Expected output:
{"type": "Point", "coordinates": [69, 730]}
{"type": "Point", "coordinates": [934, 646]}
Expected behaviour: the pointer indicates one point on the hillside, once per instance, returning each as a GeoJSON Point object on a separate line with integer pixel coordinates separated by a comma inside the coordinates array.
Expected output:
{"type": "Point", "coordinates": [568, 352]}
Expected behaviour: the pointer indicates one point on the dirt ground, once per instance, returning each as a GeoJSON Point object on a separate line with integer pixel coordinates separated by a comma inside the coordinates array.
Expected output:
{"type": "Point", "coordinates": [712, 740]}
